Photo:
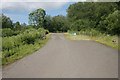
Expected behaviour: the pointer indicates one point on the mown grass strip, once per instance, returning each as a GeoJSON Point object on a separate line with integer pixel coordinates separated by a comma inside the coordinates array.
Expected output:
{"type": "Point", "coordinates": [111, 41]}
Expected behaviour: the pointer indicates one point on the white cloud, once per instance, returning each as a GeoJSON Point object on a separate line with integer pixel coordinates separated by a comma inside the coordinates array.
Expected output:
{"type": "Point", "coordinates": [42, 0]}
{"type": "Point", "coordinates": [34, 4]}
{"type": "Point", "coordinates": [29, 6]}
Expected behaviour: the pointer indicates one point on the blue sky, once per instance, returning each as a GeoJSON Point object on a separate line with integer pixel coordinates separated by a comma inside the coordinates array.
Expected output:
{"type": "Point", "coordinates": [18, 11]}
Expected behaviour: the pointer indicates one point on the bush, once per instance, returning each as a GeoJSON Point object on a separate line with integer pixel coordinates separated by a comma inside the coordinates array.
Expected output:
{"type": "Point", "coordinates": [82, 24]}
{"type": "Point", "coordinates": [27, 37]}
{"type": "Point", "coordinates": [7, 43]}
{"type": "Point", "coordinates": [12, 45]}
{"type": "Point", "coordinates": [9, 32]}
{"type": "Point", "coordinates": [111, 23]}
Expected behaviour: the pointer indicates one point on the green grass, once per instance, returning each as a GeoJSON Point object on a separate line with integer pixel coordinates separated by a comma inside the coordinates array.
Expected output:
{"type": "Point", "coordinates": [24, 50]}
{"type": "Point", "coordinates": [107, 40]}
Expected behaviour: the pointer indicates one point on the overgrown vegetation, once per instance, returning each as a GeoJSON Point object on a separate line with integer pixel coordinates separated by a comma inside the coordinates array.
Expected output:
{"type": "Point", "coordinates": [19, 40]}
{"type": "Point", "coordinates": [102, 17]}
{"type": "Point", "coordinates": [96, 21]}
{"type": "Point", "coordinates": [15, 47]}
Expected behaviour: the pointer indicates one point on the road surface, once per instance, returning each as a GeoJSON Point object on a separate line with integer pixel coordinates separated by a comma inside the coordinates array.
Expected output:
{"type": "Point", "coordinates": [62, 58]}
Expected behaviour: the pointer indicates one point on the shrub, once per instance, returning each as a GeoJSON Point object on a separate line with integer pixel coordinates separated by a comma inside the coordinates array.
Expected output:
{"type": "Point", "coordinates": [82, 24]}
{"type": "Point", "coordinates": [7, 32]}
{"type": "Point", "coordinates": [7, 43]}
{"type": "Point", "coordinates": [27, 37]}
{"type": "Point", "coordinates": [12, 44]}
{"type": "Point", "coordinates": [111, 23]}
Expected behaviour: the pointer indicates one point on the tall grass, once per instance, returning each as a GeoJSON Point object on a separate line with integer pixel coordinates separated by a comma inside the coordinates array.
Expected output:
{"type": "Point", "coordinates": [16, 47]}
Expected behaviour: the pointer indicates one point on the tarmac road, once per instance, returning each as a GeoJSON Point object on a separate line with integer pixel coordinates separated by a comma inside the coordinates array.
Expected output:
{"type": "Point", "coordinates": [62, 58]}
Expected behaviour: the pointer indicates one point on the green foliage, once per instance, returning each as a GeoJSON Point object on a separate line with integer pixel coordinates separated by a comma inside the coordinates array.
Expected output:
{"type": "Point", "coordinates": [6, 22]}
{"type": "Point", "coordinates": [80, 11]}
{"type": "Point", "coordinates": [112, 22]}
{"type": "Point", "coordinates": [11, 45]}
{"type": "Point", "coordinates": [101, 16]}
{"type": "Point", "coordinates": [82, 24]}
{"type": "Point", "coordinates": [59, 24]}
{"type": "Point", "coordinates": [102, 10]}
{"type": "Point", "coordinates": [7, 43]}
{"type": "Point", "coordinates": [48, 23]}
{"type": "Point", "coordinates": [21, 51]}
{"type": "Point", "coordinates": [17, 26]}
{"type": "Point", "coordinates": [92, 11]}
{"type": "Point", "coordinates": [36, 17]}
{"type": "Point", "coordinates": [9, 32]}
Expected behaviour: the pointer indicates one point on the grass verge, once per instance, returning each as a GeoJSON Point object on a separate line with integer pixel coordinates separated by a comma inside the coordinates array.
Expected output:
{"type": "Point", "coordinates": [111, 41]}
{"type": "Point", "coordinates": [25, 50]}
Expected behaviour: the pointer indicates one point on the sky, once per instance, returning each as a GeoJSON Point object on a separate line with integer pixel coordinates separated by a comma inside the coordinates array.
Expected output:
{"type": "Point", "coordinates": [18, 11]}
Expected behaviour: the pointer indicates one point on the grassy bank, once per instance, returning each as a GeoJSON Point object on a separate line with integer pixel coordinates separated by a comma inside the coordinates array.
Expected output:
{"type": "Point", "coordinates": [25, 50]}
{"type": "Point", "coordinates": [107, 40]}
{"type": "Point", "coordinates": [18, 46]}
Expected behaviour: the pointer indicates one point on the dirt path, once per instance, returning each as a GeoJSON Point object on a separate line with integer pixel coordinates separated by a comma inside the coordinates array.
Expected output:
{"type": "Point", "coordinates": [61, 58]}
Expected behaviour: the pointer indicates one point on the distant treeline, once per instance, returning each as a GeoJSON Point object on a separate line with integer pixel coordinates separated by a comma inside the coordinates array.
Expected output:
{"type": "Point", "coordinates": [102, 16]}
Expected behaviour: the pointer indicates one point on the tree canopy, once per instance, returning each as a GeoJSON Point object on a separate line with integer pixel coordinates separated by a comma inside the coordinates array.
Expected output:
{"type": "Point", "coordinates": [100, 16]}
{"type": "Point", "coordinates": [6, 22]}
{"type": "Point", "coordinates": [36, 17]}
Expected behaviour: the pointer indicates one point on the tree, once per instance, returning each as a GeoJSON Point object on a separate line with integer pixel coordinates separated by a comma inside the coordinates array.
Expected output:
{"type": "Point", "coordinates": [80, 10]}
{"type": "Point", "coordinates": [103, 10]}
{"type": "Point", "coordinates": [48, 23]}
{"type": "Point", "coordinates": [59, 23]}
{"type": "Point", "coordinates": [17, 26]}
{"type": "Point", "coordinates": [36, 17]}
{"type": "Point", "coordinates": [94, 13]}
{"type": "Point", "coordinates": [82, 24]}
{"type": "Point", "coordinates": [112, 22]}
{"type": "Point", "coordinates": [6, 22]}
